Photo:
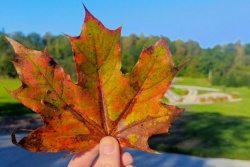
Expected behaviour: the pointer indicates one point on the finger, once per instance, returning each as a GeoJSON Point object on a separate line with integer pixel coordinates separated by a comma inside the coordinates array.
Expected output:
{"type": "Point", "coordinates": [127, 159]}
{"type": "Point", "coordinates": [109, 155]}
{"type": "Point", "coordinates": [84, 158]}
{"type": "Point", "coordinates": [129, 166]}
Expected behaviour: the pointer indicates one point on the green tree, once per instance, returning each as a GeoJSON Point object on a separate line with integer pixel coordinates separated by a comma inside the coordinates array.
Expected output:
{"type": "Point", "coordinates": [6, 56]}
{"type": "Point", "coordinates": [231, 80]}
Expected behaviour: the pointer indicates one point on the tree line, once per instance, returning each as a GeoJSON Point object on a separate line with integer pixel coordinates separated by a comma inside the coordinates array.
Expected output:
{"type": "Point", "coordinates": [227, 65]}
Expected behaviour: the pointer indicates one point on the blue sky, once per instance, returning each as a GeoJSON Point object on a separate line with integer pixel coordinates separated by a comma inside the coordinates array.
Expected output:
{"type": "Point", "coordinates": [207, 22]}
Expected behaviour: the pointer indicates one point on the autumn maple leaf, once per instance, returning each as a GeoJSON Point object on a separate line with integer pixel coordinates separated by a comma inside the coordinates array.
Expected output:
{"type": "Point", "coordinates": [104, 102]}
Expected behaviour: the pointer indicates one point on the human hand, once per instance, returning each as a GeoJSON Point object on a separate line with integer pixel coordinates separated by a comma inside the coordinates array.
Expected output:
{"type": "Point", "coordinates": [109, 155]}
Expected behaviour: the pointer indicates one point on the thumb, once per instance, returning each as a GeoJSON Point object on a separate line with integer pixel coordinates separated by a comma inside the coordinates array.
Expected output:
{"type": "Point", "coordinates": [109, 152]}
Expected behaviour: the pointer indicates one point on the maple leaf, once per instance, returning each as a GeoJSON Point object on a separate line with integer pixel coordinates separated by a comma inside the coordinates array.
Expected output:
{"type": "Point", "coordinates": [104, 102]}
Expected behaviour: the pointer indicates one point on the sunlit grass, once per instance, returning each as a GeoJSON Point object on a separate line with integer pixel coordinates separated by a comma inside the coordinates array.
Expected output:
{"type": "Point", "coordinates": [9, 84]}
{"type": "Point", "coordinates": [239, 108]}
{"type": "Point", "coordinates": [9, 106]}
{"type": "Point", "coordinates": [204, 82]}
{"type": "Point", "coordinates": [220, 129]}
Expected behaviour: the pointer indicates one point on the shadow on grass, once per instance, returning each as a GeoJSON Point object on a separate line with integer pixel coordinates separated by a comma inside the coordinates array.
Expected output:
{"type": "Point", "coordinates": [13, 109]}
{"type": "Point", "coordinates": [207, 134]}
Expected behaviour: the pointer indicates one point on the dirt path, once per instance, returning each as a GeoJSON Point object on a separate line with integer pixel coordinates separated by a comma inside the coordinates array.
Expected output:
{"type": "Point", "coordinates": [212, 95]}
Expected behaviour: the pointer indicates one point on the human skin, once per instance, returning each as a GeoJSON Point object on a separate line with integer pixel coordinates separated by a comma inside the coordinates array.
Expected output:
{"type": "Point", "coordinates": [109, 155]}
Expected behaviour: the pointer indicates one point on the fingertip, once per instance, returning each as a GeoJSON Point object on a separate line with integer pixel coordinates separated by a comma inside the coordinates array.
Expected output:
{"type": "Point", "coordinates": [109, 152]}
{"type": "Point", "coordinates": [129, 166]}
{"type": "Point", "coordinates": [127, 159]}
{"type": "Point", "coordinates": [108, 145]}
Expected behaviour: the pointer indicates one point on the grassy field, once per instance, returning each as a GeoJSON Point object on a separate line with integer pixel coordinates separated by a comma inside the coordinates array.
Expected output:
{"type": "Point", "coordinates": [9, 106]}
{"type": "Point", "coordinates": [212, 130]}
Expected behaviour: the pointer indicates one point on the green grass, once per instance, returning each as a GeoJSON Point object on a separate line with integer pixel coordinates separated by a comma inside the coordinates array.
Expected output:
{"type": "Point", "coordinates": [212, 130]}
{"type": "Point", "coordinates": [193, 81]}
{"type": "Point", "coordinates": [207, 134]}
{"type": "Point", "coordinates": [9, 84]}
{"type": "Point", "coordinates": [178, 91]}
{"type": "Point", "coordinates": [240, 108]}
{"type": "Point", "coordinates": [9, 106]}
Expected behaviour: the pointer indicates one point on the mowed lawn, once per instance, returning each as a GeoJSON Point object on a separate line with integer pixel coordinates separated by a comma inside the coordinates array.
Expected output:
{"type": "Point", "coordinates": [221, 129]}
{"type": "Point", "coordinates": [9, 106]}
